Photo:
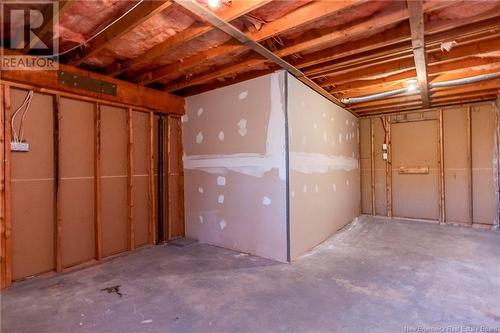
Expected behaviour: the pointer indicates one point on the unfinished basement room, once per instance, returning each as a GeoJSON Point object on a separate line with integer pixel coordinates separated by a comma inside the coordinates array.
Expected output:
{"type": "Point", "coordinates": [260, 166]}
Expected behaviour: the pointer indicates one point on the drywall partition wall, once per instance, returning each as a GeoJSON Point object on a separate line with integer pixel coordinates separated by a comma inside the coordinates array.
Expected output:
{"type": "Point", "coordinates": [323, 164]}
{"type": "Point", "coordinates": [234, 141]}
{"type": "Point", "coordinates": [33, 186]}
{"type": "Point", "coordinates": [469, 160]}
{"type": "Point", "coordinates": [76, 165]}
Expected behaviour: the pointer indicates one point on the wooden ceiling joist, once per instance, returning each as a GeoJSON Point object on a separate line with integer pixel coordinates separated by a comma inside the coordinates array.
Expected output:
{"type": "Point", "coordinates": [416, 13]}
{"type": "Point", "coordinates": [237, 9]}
{"type": "Point", "coordinates": [231, 30]}
{"type": "Point", "coordinates": [302, 16]}
{"type": "Point", "coordinates": [138, 15]}
{"type": "Point", "coordinates": [63, 7]}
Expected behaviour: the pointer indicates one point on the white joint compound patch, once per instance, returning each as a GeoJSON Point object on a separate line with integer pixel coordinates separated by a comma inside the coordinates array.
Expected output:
{"type": "Point", "coordinates": [199, 138]}
{"type": "Point", "coordinates": [222, 224]}
{"type": "Point", "coordinates": [347, 121]}
{"type": "Point", "coordinates": [200, 218]}
{"type": "Point", "coordinates": [243, 95]}
{"type": "Point", "coordinates": [220, 199]}
{"type": "Point", "coordinates": [200, 189]}
{"type": "Point", "coordinates": [324, 115]}
{"type": "Point", "coordinates": [304, 189]}
{"type": "Point", "coordinates": [347, 182]}
{"type": "Point", "coordinates": [266, 201]}
{"type": "Point", "coordinates": [316, 188]}
{"type": "Point", "coordinates": [320, 163]}
{"type": "Point", "coordinates": [221, 136]}
{"type": "Point", "coordinates": [325, 137]}
{"type": "Point", "coordinates": [221, 181]}
{"type": "Point", "coordinates": [334, 188]}
{"type": "Point", "coordinates": [200, 112]}
{"type": "Point", "coordinates": [242, 124]}
{"type": "Point", "coordinates": [184, 118]}
{"type": "Point", "coordinates": [340, 138]}
{"type": "Point", "coordinates": [292, 194]}
{"type": "Point", "coordinates": [315, 126]}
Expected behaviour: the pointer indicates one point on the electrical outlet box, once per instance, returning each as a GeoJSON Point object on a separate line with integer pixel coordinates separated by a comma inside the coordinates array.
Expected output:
{"type": "Point", "coordinates": [384, 146]}
{"type": "Point", "coordinates": [384, 156]}
{"type": "Point", "coordinates": [19, 147]}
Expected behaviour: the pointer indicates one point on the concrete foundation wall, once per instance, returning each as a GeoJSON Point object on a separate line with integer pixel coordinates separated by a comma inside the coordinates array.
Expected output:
{"type": "Point", "coordinates": [324, 173]}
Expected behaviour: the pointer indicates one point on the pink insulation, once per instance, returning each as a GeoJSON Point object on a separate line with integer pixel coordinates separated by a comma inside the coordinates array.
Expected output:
{"type": "Point", "coordinates": [150, 33]}
{"type": "Point", "coordinates": [466, 9]}
{"type": "Point", "coordinates": [83, 18]}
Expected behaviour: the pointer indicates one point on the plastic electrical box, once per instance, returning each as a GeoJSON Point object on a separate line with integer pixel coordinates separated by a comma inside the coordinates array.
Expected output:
{"type": "Point", "coordinates": [19, 147]}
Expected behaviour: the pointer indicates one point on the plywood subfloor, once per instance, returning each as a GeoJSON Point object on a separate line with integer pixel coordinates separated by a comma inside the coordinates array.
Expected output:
{"type": "Point", "coordinates": [376, 276]}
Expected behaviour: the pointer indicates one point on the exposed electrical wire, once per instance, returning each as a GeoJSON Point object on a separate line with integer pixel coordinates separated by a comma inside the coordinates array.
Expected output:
{"type": "Point", "coordinates": [18, 136]}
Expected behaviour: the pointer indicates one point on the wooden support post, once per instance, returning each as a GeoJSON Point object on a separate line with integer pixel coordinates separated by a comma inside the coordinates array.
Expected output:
{"type": "Point", "coordinates": [469, 165]}
{"type": "Point", "coordinates": [7, 225]}
{"type": "Point", "coordinates": [181, 180]}
{"type": "Point", "coordinates": [97, 182]}
{"type": "Point", "coordinates": [442, 194]}
{"type": "Point", "coordinates": [130, 186]}
{"type": "Point", "coordinates": [167, 165]}
{"type": "Point", "coordinates": [151, 196]}
{"type": "Point", "coordinates": [2, 191]}
{"type": "Point", "coordinates": [372, 160]}
{"type": "Point", "coordinates": [57, 184]}
{"type": "Point", "coordinates": [388, 167]}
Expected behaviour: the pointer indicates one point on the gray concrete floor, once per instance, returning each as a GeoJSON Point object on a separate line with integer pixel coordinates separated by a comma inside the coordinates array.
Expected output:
{"type": "Point", "coordinates": [375, 276]}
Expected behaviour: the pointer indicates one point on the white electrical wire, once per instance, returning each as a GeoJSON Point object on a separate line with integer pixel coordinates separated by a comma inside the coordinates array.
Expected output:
{"type": "Point", "coordinates": [26, 105]}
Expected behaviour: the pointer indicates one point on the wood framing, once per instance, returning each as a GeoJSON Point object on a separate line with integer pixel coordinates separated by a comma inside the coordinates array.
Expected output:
{"type": "Point", "coordinates": [166, 167]}
{"type": "Point", "coordinates": [416, 13]}
{"type": "Point", "coordinates": [388, 166]}
{"type": "Point", "coordinates": [57, 183]}
{"type": "Point", "coordinates": [130, 182]}
{"type": "Point", "coordinates": [470, 177]}
{"type": "Point", "coordinates": [97, 183]}
{"type": "Point", "coordinates": [126, 92]}
{"type": "Point", "coordinates": [7, 192]}
{"type": "Point", "coordinates": [138, 15]}
{"type": "Point", "coordinates": [442, 192]}
{"type": "Point", "coordinates": [151, 183]}
{"type": "Point", "coordinates": [3, 280]}
{"type": "Point", "coordinates": [372, 164]}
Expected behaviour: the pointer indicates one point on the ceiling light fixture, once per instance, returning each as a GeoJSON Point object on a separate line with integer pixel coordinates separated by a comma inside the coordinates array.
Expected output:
{"type": "Point", "coordinates": [411, 85]}
{"type": "Point", "coordinates": [213, 3]}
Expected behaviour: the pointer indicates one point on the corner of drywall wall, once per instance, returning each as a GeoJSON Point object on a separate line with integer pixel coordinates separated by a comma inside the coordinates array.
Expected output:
{"type": "Point", "coordinates": [234, 140]}
{"type": "Point", "coordinates": [287, 166]}
{"type": "Point", "coordinates": [323, 152]}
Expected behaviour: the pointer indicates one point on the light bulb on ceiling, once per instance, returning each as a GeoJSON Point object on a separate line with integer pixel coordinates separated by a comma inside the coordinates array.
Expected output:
{"type": "Point", "coordinates": [213, 3]}
{"type": "Point", "coordinates": [411, 86]}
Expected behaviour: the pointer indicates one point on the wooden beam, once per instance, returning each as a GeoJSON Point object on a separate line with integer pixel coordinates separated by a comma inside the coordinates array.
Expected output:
{"type": "Point", "coordinates": [7, 189]}
{"type": "Point", "coordinates": [229, 13]}
{"type": "Point", "coordinates": [167, 204]}
{"type": "Point", "coordinates": [372, 163]}
{"type": "Point", "coordinates": [97, 182]}
{"type": "Point", "coordinates": [180, 182]}
{"type": "Point", "coordinates": [138, 15]}
{"type": "Point", "coordinates": [307, 41]}
{"type": "Point", "coordinates": [130, 182]}
{"type": "Point", "coordinates": [126, 93]}
{"type": "Point", "coordinates": [469, 164]}
{"type": "Point", "coordinates": [2, 191]}
{"type": "Point", "coordinates": [394, 67]}
{"type": "Point", "coordinates": [299, 17]}
{"type": "Point", "coordinates": [396, 35]}
{"type": "Point", "coordinates": [54, 20]}
{"type": "Point", "coordinates": [57, 183]}
{"type": "Point", "coordinates": [152, 189]}
{"type": "Point", "coordinates": [442, 192]}
{"type": "Point", "coordinates": [228, 28]}
{"type": "Point", "coordinates": [416, 12]}
{"type": "Point", "coordinates": [388, 167]}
